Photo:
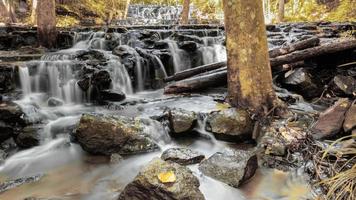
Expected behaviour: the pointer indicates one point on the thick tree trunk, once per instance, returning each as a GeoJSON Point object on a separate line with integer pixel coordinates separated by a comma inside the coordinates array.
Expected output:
{"type": "Point", "coordinates": [281, 5]}
{"type": "Point", "coordinates": [46, 23]}
{"type": "Point", "coordinates": [249, 72]}
{"type": "Point", "coordinates": [185, 12]}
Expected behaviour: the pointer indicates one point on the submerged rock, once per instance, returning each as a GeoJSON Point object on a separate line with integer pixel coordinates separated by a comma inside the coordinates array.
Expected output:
{"type": "Point", "coordinates": [7, 185]}
{"type": "Point", "coordinates": [233, 167]}
{"type": "Point", "coordinates": [29, 137]}
{"type": "Point", "coordinates": [181, 183]}
{"type": "Point", "coordinates": [54, 102]}
{"type": "Point", "coordinates": [330, 122]}
{"type": "Point", "coordinates": [98, 134]}
{"type": "Point", "coordinates": [182, 121]}
{"type": "Point", "coordinates": [230, 123]}
{"type": "Point", "coordinates": [182, 156]}
{"type": "Point", "coordinates": [350, 119]}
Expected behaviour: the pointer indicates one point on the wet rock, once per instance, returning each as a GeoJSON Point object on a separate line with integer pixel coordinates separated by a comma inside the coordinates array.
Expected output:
{"type": "Point", "coordinates": [101, 80]}
{"type": "Point", "coordinates": [350, 119]}
{"type": "Point", "coordinates": [29, 137]}
{"type": "Point", "coordinates": [190, 46]}
{"type": "Point", "coordinates": [124, 50]}
{"type": "Point", "coordinates": [99, 134]}
{"type": "Point", "coordinates": [147, 185]}
{"type": "Point", "coordinates": [7, 78]}
{"type": "Point", "coordinates": [344, 85]}
{"type": "Point", "coordinates": [230, 124]}
{"type": "Point", "coordinates": [300, 81]}
{"type": "Point", "coordinates": [116, 158]}
{"type": "Point", "coordinates": [84, 83]}
{"type": "Point", "coordinates": [91, 55]}
{"type": "Point", "coordinates": [112, 95]}
{"type": "Point", "coordinates": [182, 156]}
{"type": "Point", "coordinates": [330, 122]}
{"type": "Point", "coordinates": [233, 167]}
{"type": "Point", "coordinates": [7, 185]}
{"type": "Point", "coordinates": [11, 113]}
{"type": "Point", "coordinates": [3, 156]}
{"type": "Point", "coordinates": [182, 121]}
{"type": "Point", "coordinates": [54, 102]}
{"type": "Point", "coordinates": [6, 131]}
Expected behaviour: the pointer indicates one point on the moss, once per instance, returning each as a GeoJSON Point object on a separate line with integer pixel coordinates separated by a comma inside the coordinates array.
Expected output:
{"type": "Point", "coordinates": [66, 21]}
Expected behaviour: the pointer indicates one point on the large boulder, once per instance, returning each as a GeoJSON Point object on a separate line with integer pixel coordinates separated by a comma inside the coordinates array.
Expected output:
{"type": "Point", "coordinates": [344, 85]}
{"type": "Point", "coordinates": [112, 95]}
{"type": "Point", "coordinates": [6, 131]}
{"type": "Point", "coordinates": [29, 137]}
{"type": "Point", "coordinates": [182, 156]}
{"type": "Point", "coordinates": [11, 113]}
{"type": "Point", "coordinates": [101, 80]}
{"type": "Point", "coordinates": [233, 167]}
{"type": "Point", "coordinates": [231, 123]}
{"type": "Point", "coordinates": [331, 121]}
{"type": "Point", "coordinates": [182, 121]}
{"type": "Point", "coordinates": [150, 183]}
{"type": "Point", "coordinates": [103, 134]}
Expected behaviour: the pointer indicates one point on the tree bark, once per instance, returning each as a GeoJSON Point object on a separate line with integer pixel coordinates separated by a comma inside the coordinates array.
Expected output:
{"type": "Point", "coordinates": [126, 9]}
{"type": "Point", "coordinates": [249, 72]}
{"type": "Point", "coordinates": [46, 23]}
{"type": "Point", "coordinates": [281, 5]}
{"type": "Point", "coordinates": [313, 52]}
{"type": "Point", "coordinates": [185, 12]}
{"type": "Point", "coordinates": [33, 17]}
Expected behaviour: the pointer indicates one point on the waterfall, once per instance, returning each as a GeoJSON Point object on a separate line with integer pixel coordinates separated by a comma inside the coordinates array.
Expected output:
{"type": "Point", "coordinates": [25, 80]}
{"type": "Point", "coordinates": [121, 79]}
{"type": "Point", "coordinates": [139, 74]}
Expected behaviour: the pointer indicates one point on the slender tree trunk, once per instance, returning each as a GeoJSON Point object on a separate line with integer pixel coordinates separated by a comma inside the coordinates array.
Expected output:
{"type": "Point", "coordinates": [126, 9]}
{"type": "Point", "coordinates": [185, 12]}
{"type": "Point", "coordinates": [6, 11]}
{"type": "Point", "coordinates": [249, 72]}
{"type": "Point", "coordinates": [46, 23]}
{"type": "Point", "coordinates": [33, 17]}
{"type": "Point", "coordinates": [281, 5]}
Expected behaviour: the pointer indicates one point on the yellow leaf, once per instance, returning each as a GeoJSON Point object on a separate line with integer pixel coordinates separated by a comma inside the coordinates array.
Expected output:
{"type": "Point", "coordinates": [167, 177]}
{"type": "Point", "coordinates": [222, 106]}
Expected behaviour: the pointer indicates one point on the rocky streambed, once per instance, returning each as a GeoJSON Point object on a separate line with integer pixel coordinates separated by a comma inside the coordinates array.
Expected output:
{"type": "Point", "coordinates": [93, 122]}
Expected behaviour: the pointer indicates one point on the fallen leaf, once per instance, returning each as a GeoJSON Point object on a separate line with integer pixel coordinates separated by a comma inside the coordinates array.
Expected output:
{"type": "Point", "coordinates": [167, 177]}
{"type": "Point", "coordinates": [222, 106]}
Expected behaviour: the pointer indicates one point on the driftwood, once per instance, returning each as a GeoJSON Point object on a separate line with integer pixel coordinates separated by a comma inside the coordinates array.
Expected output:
{"type": "Point", "coordinates": [218, 76]}
{"type": "Point", "coordinates": [303, 44]}
{"type": "Point", "coordinates": [196, 83]}
{"type": "Point", "coordinates": [194, 71]}
{"type": "Point", "coordinates": [313, 52]}
{"type": "Point", "coordinates": [300, 45]}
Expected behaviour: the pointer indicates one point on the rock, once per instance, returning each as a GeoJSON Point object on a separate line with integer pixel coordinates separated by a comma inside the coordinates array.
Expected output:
{"type": "Point", "coordinates": [344, 85]}
{"type": "Point", "coordinates": [115, 158]}
{"type": "Point", "coordinates": [190, 46]}
{"type": "Point", "coordinates": [29, 137]}
{"type": "Point", "coordinates": [182, 156]}
{"type": "Point", "coordinates": [7, 185]}
{"type": "Point", "coordinates": [6, 131]}
{"type": "Point", "coordinates": [11, 113]}
{"type": "Point", "coordinates": [54, 102]}
{"type": "Point", "coordinates": [124, 50]}
{"type": "Point", "coordinates": [91, 55]}
{"type": "Point", "coordinates": [7, 78]}
{"type": "Point", "coordinates": [84, 83]}
{"type": "Point", "coordinates": [182, 121]}
{"type": "Point", "coordinates": [3, 156]}
{"type": "Point", "coordinates": [99, 134]}
{"type": "Point", "coordinates": [300, 81]}
{"type": "Point", "coordinates": [112, 95]}
{"type": "Point", "coordinates": [101, 80]}
{"type": "Point", "coordinates": [233, 167]}
{"type": "Point", "coordinates": [147, 185]}
{"type": "Point", "coordinates": [230, 123]}
{"type": "Point", "coordinates": [350, 119]}
{"type": "Point", "coordinates": [330, 122]}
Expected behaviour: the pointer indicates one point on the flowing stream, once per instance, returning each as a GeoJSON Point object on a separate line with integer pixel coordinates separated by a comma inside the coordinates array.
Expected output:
{"type": "Point", "coordinates": [68, 171]}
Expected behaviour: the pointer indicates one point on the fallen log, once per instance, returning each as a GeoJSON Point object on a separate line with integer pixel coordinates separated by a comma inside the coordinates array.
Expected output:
{"type": "Point", "coordinates": [300, 45]}
{"type": "Point", "coordinates": [313, 52]}
{"type": "Point", "coordinates": [303, 44]}
{"type": "Point", "coordinates": [194, 71]}
{"type": "Point", "coordinates": [197, 83]}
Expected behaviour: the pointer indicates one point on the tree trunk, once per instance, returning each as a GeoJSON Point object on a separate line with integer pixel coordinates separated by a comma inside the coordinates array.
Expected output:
{"type": "Point", "coordinates": [126, 9]}
{"type": "Point", "coordinates": [281, 5]}
{"type": "Point", "coordinates": [249, 72]}
{"type": "Point", "coordinates": [33, 17]}
{"type": "Point", "coordinates": [185, 12]}
{"type": "Point", "coordinates": [46, 23]}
